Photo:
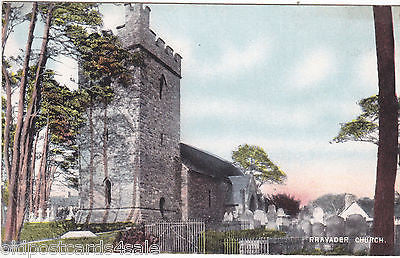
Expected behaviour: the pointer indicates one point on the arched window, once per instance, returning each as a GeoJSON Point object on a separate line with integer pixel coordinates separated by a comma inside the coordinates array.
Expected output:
{"type": "Point", "coordinates": [163, 83]}
{"type": "Point", "coordinates": [107, 191]}
{"type": "Point", "coordinates": [253, 204]}
{"type": "Point", "coordinates": [162, 204]}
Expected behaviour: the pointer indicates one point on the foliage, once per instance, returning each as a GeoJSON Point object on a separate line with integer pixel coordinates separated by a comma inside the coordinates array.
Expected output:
{"type": "Point", "coordinates": [330, 203]}
{"type": "Point", "coordinates": [45, 230]}
{"type": "Point", "coordinates": [254, 160]}
{"type": "Point", "coordinates": [135, 235]}
{"type": "Point", "coordinates": [288, 203]}
{"type": "Point", "coordinates": [215, 239]}
{"type": "Point", "coordinates": [365, 127]}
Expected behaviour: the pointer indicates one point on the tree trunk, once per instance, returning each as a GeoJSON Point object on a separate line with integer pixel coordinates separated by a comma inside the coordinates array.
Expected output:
{"type": "Point", "coordinates": [41, 184]}
{"type": "Point", "coordinates": [388, 133]}
{"type": "Point", "coordinates": [5, 26]}
{"type": "Point", "coordinates": [9, 228]}
{"type": "Point", "coordinates": [7, 81]}
{"type": "Point", "coordinates": [29, 125]}
{"type": "Point", "coordinates": [32, 176]}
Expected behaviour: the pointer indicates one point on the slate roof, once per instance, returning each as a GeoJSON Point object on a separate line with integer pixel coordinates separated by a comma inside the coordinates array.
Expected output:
{"type": "Point", "coordinates": [206, 163]}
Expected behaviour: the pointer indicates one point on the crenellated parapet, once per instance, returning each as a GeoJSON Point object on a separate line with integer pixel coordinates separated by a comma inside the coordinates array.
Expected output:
{"type": "Point", "coordinates": [136, 32]}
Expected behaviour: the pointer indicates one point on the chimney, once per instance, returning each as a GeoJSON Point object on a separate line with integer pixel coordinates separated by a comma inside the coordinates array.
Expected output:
{"type": "Point", "coordinates": [348, 200]}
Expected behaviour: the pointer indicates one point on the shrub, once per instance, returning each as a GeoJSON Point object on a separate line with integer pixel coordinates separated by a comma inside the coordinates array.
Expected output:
{"type": "Point", "coordinates": [288, 203]}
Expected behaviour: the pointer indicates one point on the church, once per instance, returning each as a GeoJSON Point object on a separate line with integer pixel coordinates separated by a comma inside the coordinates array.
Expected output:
{"type": "Point", "coordinates": [144, 172]}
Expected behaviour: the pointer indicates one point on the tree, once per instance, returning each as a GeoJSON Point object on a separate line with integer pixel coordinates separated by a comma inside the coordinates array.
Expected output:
{"type": "Point", "coordinates": [288, 203]}
{"type": "Point", "coordinates": [331, 203]}
{"type": "Point", "coordinates": [254, 160]}
{"type": "Point", "coordinates": [388, 133]}
{"type": "Point", "coordinates": [378, 124]}
{"type": "Point", "coordinates": [57, 18]}
{"type": "Point", "coordinates": [365, 127]}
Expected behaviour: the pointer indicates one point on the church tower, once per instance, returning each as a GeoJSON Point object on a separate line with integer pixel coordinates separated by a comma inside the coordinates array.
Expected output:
{"type": "Point", "coordinates": [129, 149]}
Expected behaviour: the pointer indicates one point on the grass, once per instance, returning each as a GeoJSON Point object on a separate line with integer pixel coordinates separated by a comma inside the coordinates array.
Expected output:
{"type": "Point", "coordinates": [100, 244]}
{"type": "Point", "coordinates": [44, 230]}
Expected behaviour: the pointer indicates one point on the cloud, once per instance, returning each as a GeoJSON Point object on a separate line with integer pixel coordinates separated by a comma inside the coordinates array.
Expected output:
{"type": "Point", "coordinates": [234, 59]}
{"type": "Point", "coordinates": [367, 72]}
{"type": "Point", "coordinates": [315, 67]}
{"type": "Point", "coordinates": [242, 111]}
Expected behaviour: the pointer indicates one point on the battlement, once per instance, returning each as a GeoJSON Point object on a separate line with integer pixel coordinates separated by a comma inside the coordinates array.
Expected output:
{"type": "Point", "coordinates": [137, 33]}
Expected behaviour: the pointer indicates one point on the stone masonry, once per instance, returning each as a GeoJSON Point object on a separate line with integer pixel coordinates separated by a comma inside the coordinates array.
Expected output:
{"type": "Point", "coordinates": [141, 157]}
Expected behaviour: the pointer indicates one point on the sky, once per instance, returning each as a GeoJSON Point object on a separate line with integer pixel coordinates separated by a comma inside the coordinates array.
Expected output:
{"type": "Point", "coordinates": [280, 77]}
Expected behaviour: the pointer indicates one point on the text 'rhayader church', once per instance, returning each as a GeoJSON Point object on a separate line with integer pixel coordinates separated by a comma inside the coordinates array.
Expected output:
{"type": "Point", "coordinates": [147, 174]}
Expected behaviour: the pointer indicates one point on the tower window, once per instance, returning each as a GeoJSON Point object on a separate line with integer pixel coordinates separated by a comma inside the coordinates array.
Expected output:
{"type": "Point", "coordinates": [162, 136]}
{"type": "Point", "coordinates": [163, 83]}
{"type": "Point", "coordinates": [209, 198]}
{"type": "Point", "coordinates": [107, 191]}
{"type": "Point", "coordinates": [162, 204]}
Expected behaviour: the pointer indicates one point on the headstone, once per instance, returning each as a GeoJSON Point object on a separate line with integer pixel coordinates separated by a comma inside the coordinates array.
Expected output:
{"type": "Point", "coordinates": [271, 218]}
{"type": "Point", "coordinates": [70, 213]}
{"type": "Point", "coordinates": [32, 217]}
{"type": "Point", "coordinates": [335, 226]}
{"type": "Point", "coordinates": [52, 214]}
{"type": "Point", "coordinates": [318, 215]}
{"type": "Point", "coordinates": [356, 226]}
{"type": "Point", "coordinates": [260, 216]}
{"type": "Point", "coordinates": [248, 217]}
{"type": "Point", "coordinates": [47, 219]}
{"type": "Point", "coordinates": [40, 217]}
{"type": "Point", "coordinates": [306, 227]}
{"type": "Point", "coordinates": [228, 216]}
{"type": "Point", "coordinates": [318, 229]}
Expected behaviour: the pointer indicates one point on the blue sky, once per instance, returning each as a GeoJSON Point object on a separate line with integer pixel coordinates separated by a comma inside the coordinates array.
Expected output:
{"type": "Point", "coordinates": [281, 77]}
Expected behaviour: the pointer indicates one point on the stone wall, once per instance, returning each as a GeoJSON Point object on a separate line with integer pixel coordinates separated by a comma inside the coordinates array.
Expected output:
{"type": "Point", "coordinates": [134, 142]}
{"type": "Point", "coordinates": [204, 197]}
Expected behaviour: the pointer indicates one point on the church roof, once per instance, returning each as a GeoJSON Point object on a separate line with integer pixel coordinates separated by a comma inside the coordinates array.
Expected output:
{"type": "Point", "coordinates": [206, 163]}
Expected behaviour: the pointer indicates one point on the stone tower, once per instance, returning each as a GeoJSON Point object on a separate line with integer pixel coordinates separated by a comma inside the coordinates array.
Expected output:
{"type": "Point", "coordinates": [129, 149]}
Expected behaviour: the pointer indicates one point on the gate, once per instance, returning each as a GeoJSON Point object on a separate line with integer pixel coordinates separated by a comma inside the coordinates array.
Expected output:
{"type": "Point", "coordinates": [180, 236]}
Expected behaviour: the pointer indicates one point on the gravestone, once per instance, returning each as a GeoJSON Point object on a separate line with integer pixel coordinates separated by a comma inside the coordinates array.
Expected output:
{"type": "Point", "coordinates": [40, 217]}
{"type": "Point", "coordinates": [228, 216]}
{"type": "Point", "coordinates": [306, 227]}
{"type": "Point", "coordinates": [271, 217]}
{"type": "Point", "coordinates": [318, 215]}
{"type": "Point", "coordinates": [261, 216]}
{"type": "Point", "coordinates": [356, 226]}
{"type": "Point", "coordinates": [318, 229]}
{"type": "Point", "coordinates": [335, 226]}
{"type": "Point", "coordinates": [248, 217]}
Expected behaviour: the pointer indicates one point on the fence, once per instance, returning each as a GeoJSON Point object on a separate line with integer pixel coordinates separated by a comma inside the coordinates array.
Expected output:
{"type": "Point", "coordinates": [180, 236]}
{"type": "Point", "coordinates": [228, 226]}
{"type": "Point", "coordinates": [263, 245]}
